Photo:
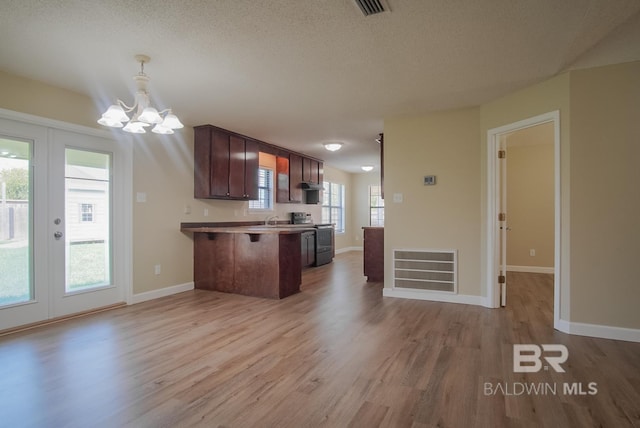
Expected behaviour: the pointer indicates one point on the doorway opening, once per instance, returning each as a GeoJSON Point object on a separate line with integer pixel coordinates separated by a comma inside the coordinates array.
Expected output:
{"type": "Point", "coordinates": [535, 236]}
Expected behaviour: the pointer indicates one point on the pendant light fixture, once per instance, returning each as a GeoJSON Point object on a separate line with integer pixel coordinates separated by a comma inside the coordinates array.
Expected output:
{"type": "Point", "coordinates": [143, 114]}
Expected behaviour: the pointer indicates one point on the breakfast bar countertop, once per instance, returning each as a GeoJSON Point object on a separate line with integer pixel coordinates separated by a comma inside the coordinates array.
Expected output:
{"type": "Point", "coordinates": [279, 229]}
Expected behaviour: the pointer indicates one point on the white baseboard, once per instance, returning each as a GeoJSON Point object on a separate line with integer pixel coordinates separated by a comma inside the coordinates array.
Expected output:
{"type": "Point", "coordinates": [431, 296]}
{"type": "Point", "coordinates": [600, 331]}
{"type": "Point", "coordinates": [484, 301]}
{"type": "Point", "coordinates": [347, 249]}
{"type": "Point", "coordinates": [574, 328]}
{"type": "Point", "coordinates": [162, 292]}
{"type": "Point", "coordinates": [530, 269]}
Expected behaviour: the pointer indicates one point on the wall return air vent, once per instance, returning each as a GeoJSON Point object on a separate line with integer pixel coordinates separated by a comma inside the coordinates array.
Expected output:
{"type": "Point", "coordinates": [430, 270]}
{"type": "Point", "coordinates": [372, 7]}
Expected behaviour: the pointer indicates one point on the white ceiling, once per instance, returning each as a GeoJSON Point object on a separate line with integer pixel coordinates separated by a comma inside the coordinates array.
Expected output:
{"type": "Point", "coordinates": [299, 73]}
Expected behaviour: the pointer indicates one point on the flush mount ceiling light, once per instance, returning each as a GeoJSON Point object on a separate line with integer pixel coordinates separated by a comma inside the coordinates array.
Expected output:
{"type": "Point", "coordinates": [367, 168]}
{"type": "Point", "coordinates": [145, 115]}
{"type": "Point", "coordinates": [332, 147]}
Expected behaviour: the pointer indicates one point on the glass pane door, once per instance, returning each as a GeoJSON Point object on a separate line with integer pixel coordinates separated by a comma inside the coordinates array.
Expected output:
{"type": "Point", "coordinates": [86, 205]}
{"type": "Point", "coordinates": [87, 220]}
{"type": "Point", "coordinates": [16, 273]}
{"type": "Point", "coordinates": [64, 222]}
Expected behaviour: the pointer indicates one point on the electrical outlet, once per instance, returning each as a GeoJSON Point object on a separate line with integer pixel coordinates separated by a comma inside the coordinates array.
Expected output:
{"type": "Point", "coordinates": [532, 252]}
{"type": "Point", "coordinates": [156, 269]}
{"type": "Point", "coordinates": [206, 212]}
{"type": "Point", "coordinates": [187, 209]}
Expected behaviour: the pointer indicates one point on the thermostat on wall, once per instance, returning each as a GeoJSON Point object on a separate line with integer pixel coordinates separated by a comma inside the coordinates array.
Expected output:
{"type": "Point", "coordinates": [429, 180]}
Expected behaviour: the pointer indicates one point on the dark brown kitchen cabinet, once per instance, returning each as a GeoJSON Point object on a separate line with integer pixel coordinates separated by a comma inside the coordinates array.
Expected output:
{"type": "Point", "coordinates": [374, 253]}
{"type": "Point", "coordinates": [282, 179]}
{"type": "Point", "coordinates": [289, 178]}
{"type": "Point", "coordinates": [226, 165]}
{"type": "Point", "coordinates": [311, 170]}
{"type": "Point", "coordinates": [243, 168]}
{"type": "Point", "coordinates": [295, 178]}
{"type": "Point", "coordinates": [315, 171]}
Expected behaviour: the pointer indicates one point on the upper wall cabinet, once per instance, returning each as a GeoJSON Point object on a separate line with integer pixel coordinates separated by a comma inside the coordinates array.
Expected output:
{"type": "Point", "coordinates": [225, 164]}
{"type": "Point", "coordinates": [289, 178]}
{"type": "Point", "coordinates": [311, 171]}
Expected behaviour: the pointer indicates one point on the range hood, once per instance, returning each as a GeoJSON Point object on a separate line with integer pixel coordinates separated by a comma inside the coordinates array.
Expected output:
{"type": "Point", "coordinates": [306, 185]}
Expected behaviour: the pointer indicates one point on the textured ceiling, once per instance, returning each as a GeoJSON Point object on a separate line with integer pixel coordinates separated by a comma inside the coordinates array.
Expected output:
{"type": "Point", "coordinates": [300, 73]}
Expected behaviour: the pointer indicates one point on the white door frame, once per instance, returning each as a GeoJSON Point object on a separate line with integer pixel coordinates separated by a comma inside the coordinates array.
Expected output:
{"type": "Point", "coordinates": [493, 207]}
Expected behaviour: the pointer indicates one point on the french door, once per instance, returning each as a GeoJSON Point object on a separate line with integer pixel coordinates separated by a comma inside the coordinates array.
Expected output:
{"type": "Point", "coordinates": [63, 246]}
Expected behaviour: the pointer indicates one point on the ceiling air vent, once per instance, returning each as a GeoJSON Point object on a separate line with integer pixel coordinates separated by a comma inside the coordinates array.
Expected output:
{"type": "Point", "coordinates": [371, 7]}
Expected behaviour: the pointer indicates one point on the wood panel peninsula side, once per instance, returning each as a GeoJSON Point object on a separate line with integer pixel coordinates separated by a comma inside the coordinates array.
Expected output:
{"type": "Point", "coordinates": [259, 261]}
{"type": "Point", "coordinates": [374, 254]}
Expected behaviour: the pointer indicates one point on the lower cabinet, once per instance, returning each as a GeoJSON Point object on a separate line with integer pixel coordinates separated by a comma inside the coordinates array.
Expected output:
{"type": "Point", "coordinates": [374, 253]}
{"type": "Point", "coordinates": [308, 248]}
{"type": "Point", "coordinates": [259, 265]}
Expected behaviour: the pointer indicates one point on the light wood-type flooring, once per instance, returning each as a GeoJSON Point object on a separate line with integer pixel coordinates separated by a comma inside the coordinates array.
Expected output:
{"type": "Point", "coordinates": [337, 354]}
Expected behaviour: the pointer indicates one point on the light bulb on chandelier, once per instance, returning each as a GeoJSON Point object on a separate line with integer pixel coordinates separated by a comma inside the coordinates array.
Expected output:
{"type": "Point", "coordinates": [144, 115]}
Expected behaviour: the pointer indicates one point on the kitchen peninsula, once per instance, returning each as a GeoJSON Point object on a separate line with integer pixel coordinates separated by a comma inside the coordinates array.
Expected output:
{"type": "Point", "coordinates": [254, 260]}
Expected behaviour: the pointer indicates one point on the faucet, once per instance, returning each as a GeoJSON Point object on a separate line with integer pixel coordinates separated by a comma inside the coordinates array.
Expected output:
{"type": "Point", "coordinates": [269, 218]}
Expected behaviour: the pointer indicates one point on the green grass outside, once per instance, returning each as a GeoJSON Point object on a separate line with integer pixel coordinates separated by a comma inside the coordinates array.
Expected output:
{"type": "Point", "coordinates": [86, 268]}
{"type": "Point", "coordinates": [14, 275]}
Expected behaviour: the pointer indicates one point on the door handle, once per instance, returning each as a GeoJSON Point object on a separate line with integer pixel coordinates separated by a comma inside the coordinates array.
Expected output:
{"type": "Point", "coordinates": [57, 234]}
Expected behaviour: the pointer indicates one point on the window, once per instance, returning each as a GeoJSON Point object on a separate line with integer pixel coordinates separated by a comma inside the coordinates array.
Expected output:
{"type": "Point", "coordinates": [265, 191]}
{"type": "Point", "coordinates": [86, 213]}
{"type": "Point", "coordinates": [376, 206]}
{"type": "Point", "coordinates": [333, 205]}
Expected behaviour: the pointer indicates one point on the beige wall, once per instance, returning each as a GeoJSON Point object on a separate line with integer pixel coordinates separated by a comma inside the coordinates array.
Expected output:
{"type": "Point", "coordinates": [334, 175]}
{"type": "Point", "coordinates": [37, 98]}
{"type": "Point", "coordinates": [444, 216]}
{"type": "Point", "coordinates": [605, 200]}
{"type": "Point", "coordinates": [530, 196]}
{"type": "Point", "coordinates": [600, 206]}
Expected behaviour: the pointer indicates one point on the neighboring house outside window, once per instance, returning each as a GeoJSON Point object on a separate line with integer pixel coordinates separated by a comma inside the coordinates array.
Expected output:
{"type": "Point", "coordinates": [86, 213]}
{"type": "Point", "coordinates": [333, 205]}
{"type": "Point", "coordinates": [265, 191]}
{"type": "Point", "coordinates": [376, 206]}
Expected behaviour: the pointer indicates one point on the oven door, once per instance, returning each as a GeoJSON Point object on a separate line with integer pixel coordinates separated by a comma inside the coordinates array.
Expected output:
{"type": "Point", "coordinates": [324, 245]}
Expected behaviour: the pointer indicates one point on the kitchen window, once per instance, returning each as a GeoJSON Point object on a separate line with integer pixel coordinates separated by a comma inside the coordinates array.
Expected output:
{"type": "Point", "coordinates": [333, 205]}
{"type": "Point", "coordinates": [376, 206]}
{"type": "Point", "coordinates": [265, 191]}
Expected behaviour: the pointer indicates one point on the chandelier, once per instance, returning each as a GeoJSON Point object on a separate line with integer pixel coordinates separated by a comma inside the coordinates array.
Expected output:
{"type": "Point", "coordinates": [144, 115]}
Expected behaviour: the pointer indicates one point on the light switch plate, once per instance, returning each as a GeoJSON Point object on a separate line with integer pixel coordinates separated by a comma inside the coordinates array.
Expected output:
{"type": "Point", "coordinates": [397, 198]}
{"type": "Point", "coordinates": [141, 197]}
